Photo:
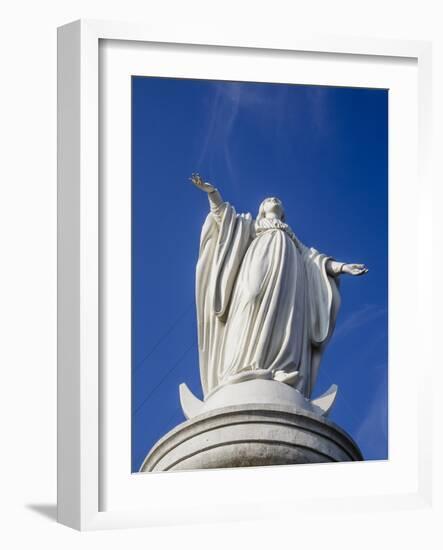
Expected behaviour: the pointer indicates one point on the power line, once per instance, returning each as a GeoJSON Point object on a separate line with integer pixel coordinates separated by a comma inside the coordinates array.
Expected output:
{"type": "Point", "coordinates": [175, 365]}
{"type": "Point", "coordinates": [142, 456]}
{"type": "Point", "coordinates": [164, 335]}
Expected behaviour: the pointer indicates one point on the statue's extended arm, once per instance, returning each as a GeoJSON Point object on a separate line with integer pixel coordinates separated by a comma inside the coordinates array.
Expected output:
{"type": "Point", "coordinates": [335, 269]}
{"type": "Point", "coordinates": [215, 200]}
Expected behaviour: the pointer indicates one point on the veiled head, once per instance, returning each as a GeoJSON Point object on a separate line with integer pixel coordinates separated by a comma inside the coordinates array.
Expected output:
{"type": "Point", "coordinates": [271, 206]}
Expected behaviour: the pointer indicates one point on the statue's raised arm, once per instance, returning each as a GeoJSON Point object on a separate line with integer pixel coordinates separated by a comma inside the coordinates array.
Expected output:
{"type": "Point", "coordinates": [201, 184]}
{"type": "Point", "coordinates": [215, 200]}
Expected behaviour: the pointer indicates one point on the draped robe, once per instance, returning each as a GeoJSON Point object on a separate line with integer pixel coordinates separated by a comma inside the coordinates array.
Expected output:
{"type": "Point", "coordinates": [266, 306]}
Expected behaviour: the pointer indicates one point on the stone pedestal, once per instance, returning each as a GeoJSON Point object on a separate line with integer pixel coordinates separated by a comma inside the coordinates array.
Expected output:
{"type": "Point", "coordinates": [239, 435]}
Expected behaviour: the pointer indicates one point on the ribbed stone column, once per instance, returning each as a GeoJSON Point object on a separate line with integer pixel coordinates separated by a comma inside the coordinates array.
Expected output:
{"type": "Point", "coordinates": [251, 435]}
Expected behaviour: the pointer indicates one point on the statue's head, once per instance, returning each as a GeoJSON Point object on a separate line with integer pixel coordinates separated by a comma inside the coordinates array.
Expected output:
{"type": "Point", "coordinates": [271, 207]}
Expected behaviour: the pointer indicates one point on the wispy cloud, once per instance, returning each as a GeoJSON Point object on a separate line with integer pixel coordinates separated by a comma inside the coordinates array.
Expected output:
{"type": "Point", "coordinates": [230, 100]}
{"type": "Point", "coordinates": [374, 428]}
{"type": "Point", "coordinates": [222, 118]}
{"type": "Point", "coordinates": [235, 97]}
{"type": "Point", "coordinates": [212, 127]}
{"type": "Point", "coordinates": [367, 314]}
{"type": "Point", "coordinates": [251, 94]}
{"type": "Point", "coordinates": [318, 108]}
{"type": "Point", "coordinates": [268, 108]}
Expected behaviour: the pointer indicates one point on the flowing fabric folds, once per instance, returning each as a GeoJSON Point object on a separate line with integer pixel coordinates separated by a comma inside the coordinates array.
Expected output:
{"type": "Point", "coordinates": [265, 303]}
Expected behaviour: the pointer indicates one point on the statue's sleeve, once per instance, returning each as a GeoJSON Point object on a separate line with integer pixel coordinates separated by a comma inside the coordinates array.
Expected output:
{"type": "Point", "coordinates": [217, 206]}
{"type": "Point", "coordinates": [224, 240]}
{"type": "Point", "coordinates": [323, 300]}
{"type": "Point", "coordinates": [234, 239]}
{"type": "Point", "coordinates": [323, 295]}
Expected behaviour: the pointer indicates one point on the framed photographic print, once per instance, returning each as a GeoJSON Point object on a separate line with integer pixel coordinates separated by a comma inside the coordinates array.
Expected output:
{"type": "Point", "coordinates": [253, 349]}
{"type": "Point", "coordinates": [234, 303]}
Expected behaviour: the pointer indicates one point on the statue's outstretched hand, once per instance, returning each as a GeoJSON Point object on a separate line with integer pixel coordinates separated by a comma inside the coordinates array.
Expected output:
{"type": "Point", "coordinates": [354, 269]}
{"type": "Point", "coordinates": [198, 182]}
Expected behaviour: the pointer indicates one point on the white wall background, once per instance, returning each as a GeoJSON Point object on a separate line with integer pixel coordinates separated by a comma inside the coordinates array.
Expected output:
{"type": "Point", "coordinates": [28, 270]}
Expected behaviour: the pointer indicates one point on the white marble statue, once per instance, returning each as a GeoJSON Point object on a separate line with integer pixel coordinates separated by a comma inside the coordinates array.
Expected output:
{"type": "Point", "coordinates": [266, 303]}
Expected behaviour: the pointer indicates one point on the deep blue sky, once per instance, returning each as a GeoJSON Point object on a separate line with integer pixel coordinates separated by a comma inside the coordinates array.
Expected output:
{"type": "Point", "coordinates": [323, 151]}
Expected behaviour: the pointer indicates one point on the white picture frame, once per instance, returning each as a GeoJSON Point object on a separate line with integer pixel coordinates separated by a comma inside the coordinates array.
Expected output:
{"type": "Point", "coordinates": [82, 412]}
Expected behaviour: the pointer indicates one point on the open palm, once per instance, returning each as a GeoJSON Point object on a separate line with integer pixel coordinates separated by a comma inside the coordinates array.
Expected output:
{"type": "Point", "coordinates": [355, 269]}
{"type": "Point", "coordinates": [198, 182]}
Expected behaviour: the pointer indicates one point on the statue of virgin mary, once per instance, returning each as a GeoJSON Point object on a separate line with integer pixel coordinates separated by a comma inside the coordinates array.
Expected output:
{"type": "Point", "coordinates": [266, 303]}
